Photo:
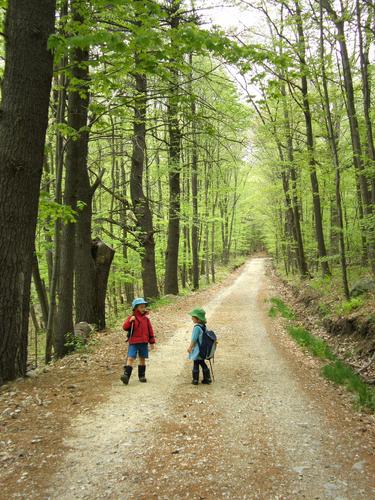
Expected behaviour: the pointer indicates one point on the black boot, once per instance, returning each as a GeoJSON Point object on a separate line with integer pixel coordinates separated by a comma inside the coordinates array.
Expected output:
{"type": "Point", "coordinates": [195, 377]}
{"type": "Point", "coordinates": [126, 375]}
{"type": "Point", "coordinates": [206, 376]}
{"type": "Point", "coordinates": [142, 373]}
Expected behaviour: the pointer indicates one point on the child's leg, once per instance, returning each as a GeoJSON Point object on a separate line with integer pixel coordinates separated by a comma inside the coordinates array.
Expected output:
{"type": "Point", "coordinates": [143, 355]}
{"type": "Point", "coordinates": [130, 361]}
{"type": "Point", "coordinates": [195, 372]}
{"type": "Point", "coordinates": [142, 370]}
{"type": "Point", "coordinates": [128, 368]}
{"type": "Point", "coordinates": [206, 373]}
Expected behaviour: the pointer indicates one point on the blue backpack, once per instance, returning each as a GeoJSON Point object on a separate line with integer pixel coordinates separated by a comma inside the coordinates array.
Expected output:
{"type": "Point", "coordinates": [207, 347]}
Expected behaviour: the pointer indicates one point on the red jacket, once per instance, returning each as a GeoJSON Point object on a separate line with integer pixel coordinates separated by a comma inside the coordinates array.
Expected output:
{"type": "Point", "coordinates": [142, 331]}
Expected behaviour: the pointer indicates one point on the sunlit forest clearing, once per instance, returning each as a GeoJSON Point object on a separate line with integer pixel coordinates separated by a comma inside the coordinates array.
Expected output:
{"type": "Point", "coordinates": [194, 174]}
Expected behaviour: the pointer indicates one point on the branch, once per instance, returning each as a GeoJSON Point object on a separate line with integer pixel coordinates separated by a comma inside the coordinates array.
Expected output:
{"type": "Point", "coordinates": [97, 182]}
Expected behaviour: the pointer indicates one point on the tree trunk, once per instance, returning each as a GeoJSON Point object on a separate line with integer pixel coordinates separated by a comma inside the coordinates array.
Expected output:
{"type": "Point", "coordinates": [75, 157]}
{"type": "Point", "coordinates": [140, 202]}
{"type": "Point", "coordinates": [59, 164]}
{"type": "Point", "coordinates": [354, 129]}
{"type": "Point", "coordinates": [40, 290]}
{"type": "Point", "coordinates": [301, 259]}
{"type": "Point", "coordinates": [85, 272]}
{"type": "Point", "coordinates": [103, 256]}
{"type": "Point", "coordinates": [310, 147]}
{"type": "Point", "coordinates": [174, 168]}
{"type": "Point", "coordinates": [364, 48]}
{"type": "Point", "coordinates": [194, 187]}
{"type": "Point", "coordinates": [129, 285]}
{"type": "Point", "coordinates": [26, 90]}
{"type": "Point", "coordinates": [335, 156]}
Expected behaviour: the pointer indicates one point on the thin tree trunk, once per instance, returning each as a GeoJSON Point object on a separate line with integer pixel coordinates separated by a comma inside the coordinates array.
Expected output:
{"type": "Point", "coordinates": [354, 128]}
{"type": "Point", "coordinates": [335, 156]}
{"type": "Point", "coordinates": [310, 147]}
{"type": "Point", "coordinates": [59, 163]}
{"type": "Point", "coordinates": [40, 290]}
{"type": "Point", "coordinates": [194, 186]}
{"type": "Point", "coordinates": [301, 259]}
{"type": "Point", "coordinates": [364, 48]}
{"type": "Point", "coordinates": [174, 168]}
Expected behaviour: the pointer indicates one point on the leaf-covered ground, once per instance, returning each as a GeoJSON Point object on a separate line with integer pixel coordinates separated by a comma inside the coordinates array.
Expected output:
{"type": "Point", "coordinates": [269, 427]}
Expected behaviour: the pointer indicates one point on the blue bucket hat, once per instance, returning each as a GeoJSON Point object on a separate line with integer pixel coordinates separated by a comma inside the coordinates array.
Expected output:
{"type": "Point", "coordinates": [138, 301]}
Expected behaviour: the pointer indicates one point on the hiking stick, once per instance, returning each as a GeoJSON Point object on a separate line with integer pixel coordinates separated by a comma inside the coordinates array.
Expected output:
{"type": "Point", "coordinates": [127, 340]}
{"type": "Point", "coordinates": [212, 371]}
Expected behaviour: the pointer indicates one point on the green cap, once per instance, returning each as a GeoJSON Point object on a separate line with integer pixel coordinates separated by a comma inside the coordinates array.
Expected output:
{"type": "Point", "coordinates": [199, 313]}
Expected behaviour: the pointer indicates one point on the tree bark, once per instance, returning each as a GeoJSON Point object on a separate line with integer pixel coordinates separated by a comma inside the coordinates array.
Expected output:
{"type": "Point", "coordinates": [75, 156]}
{"type": "Point", "coordinates": [85, 271]}
{"type": "Point", "coordinates": [140, 202]}
{"type": "Point", "coordinates": [41, 290]}
{"type": "Point", "coordinates": [301, 259]}
{"type": "Point", "coordinates": [194, 188]}
{"type": "Point", "coordinates": [59, 164]}
{"type": "Point", "coordinates": [310, 146]}
{"type": "Point", "coordinates": [354, 129]}
{"type": "Point", "coordinates": [174, 167]}
{"type": "Point", "coordinates": [103, 256]}
{"type": "Point", "coordinates": [26, 91]}
{"type": "Point", "coordinates": [335, 156]}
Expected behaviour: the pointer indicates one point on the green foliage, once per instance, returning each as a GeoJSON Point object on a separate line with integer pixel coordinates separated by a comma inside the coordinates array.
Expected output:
{"type": "Point", "coordinates": [279, 306]}
{"type": "Point", "coordinates": [77, 343]}
{"type": "Point", "coordinates": [50, 211]}
{"type": "Point", "coordinates": [341, 374]}
{"type": "Point", "coordinates": [336, 370]}
{"type": "Point", "coordinates": [348, 306]}
{"type": "Point", "coordinates": [314, 345]}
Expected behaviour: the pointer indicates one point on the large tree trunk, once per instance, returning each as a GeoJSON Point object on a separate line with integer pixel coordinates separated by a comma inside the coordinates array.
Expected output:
{"type": "Point", "coordinates": [140, 202]}
{"type": "Point", "coordinates": [26, 90]}
{"type": "Point", "coordinates": [75, 155]}
{"type": "Point", "coordinates": [85, 271]}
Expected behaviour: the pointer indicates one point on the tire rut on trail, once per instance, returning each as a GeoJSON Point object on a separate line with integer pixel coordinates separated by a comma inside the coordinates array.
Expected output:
{"type": "Point", "coordinates": [257, 432]}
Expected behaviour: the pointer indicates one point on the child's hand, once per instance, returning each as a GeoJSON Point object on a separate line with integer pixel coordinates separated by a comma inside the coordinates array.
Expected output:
{"type": "Point", "coordinates": [132, 318]}
{"type": "Point", "coordinates": [152, 347]}
{"type": "Point", "coordinates": [189, 350]}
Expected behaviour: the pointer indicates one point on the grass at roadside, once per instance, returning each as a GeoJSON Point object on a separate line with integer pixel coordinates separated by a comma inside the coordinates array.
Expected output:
{"type": "Point", "coordinates": [342, 374]}
{"type": "Point", "coordinates": [335, 370]}
{"type": "Point", "coordinates": [314, 345]}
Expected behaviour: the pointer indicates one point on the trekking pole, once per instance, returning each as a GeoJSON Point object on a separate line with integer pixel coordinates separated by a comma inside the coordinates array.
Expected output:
{"type": "Point", "coordinates": [127, 340]}
{"type": "Point", "coordinates": [212, 371]}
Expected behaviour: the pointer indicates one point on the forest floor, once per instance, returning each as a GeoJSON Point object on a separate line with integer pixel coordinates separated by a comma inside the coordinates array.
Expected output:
{"type": "Point", "coordinates": [268, 428]}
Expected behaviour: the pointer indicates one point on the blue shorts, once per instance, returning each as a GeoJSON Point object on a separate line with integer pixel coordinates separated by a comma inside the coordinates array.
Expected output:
{"type": "Point", "coordinates": [140, 349]}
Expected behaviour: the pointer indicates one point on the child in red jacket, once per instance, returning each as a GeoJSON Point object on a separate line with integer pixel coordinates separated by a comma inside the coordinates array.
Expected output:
{"type": "Point", "coordinates": [140, 334]}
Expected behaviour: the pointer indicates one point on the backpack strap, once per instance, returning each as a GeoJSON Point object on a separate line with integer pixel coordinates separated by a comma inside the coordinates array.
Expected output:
{"type": "Point", "coordinates": [203, 328]}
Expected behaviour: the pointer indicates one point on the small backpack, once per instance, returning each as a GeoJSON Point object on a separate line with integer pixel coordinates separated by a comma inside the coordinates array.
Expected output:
{"type": "Point", "coordinates": [207, 347]}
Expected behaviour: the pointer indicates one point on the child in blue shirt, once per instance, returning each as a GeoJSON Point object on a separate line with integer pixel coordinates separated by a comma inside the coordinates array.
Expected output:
{"type": "Point", "coordinates": [198, 316]}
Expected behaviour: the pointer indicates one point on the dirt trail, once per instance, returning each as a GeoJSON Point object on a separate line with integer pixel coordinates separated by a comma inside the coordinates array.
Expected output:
{"type": "Point", "coordinates": [268, 428]}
